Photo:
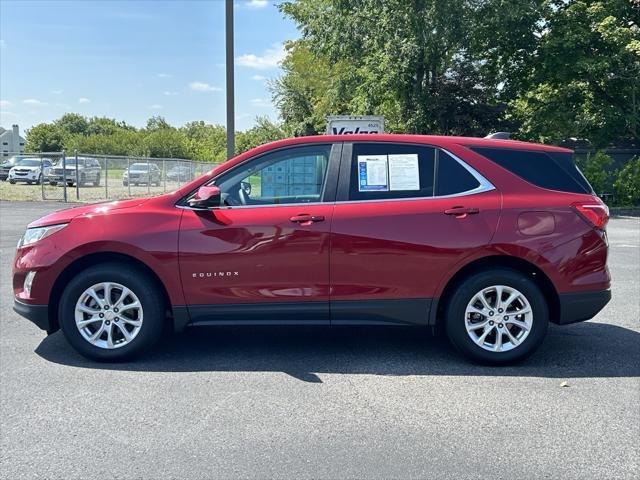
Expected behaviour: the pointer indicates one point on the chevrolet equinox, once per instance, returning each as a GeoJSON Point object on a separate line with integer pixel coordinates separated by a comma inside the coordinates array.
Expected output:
{"type": "Point", "coordinates": [489, 240]}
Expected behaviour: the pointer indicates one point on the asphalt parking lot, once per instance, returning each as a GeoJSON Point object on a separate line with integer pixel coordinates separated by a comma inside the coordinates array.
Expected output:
{"type": "Point", "coordinates": [320, 403]}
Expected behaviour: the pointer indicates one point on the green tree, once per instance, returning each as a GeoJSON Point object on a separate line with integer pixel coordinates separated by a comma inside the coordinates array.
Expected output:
{"type": "Point", "coordinates": [423, 64]}
{"type": "Point", "coordinates": [45, 137]}
{"type": "Point", "coordinates": [105, 126]}
{"type": "Point", "coordinates": [157, 123]}
{"type": "Point", "coordinates": [205, 141]}
{"type": "Point", "coordinates": [72, 123]}
{"type": "Point", "coordinates": [596, 168]}
{"type": "Point", "coordinates": [264, 131]}
{"type": "Point", "coordinates": [583, 79]}
{"type": "Point", "coordinates": [627, 184]}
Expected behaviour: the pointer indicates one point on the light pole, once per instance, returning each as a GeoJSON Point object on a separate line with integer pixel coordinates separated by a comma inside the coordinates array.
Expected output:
{"type": "Point", "coordinates": [229, 61]}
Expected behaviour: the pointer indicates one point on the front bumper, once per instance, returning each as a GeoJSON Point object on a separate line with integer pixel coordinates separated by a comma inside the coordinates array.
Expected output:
{"type": "Point", "coordinates": [581, 306]}
{"type": "Point", "coordinates": [38, 314]}
{"type": "Point", "coordinates": [26, 177]}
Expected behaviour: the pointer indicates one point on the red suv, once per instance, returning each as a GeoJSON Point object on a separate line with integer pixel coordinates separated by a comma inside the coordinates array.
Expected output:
{"type": "Point", "coordinates": [489, 239]}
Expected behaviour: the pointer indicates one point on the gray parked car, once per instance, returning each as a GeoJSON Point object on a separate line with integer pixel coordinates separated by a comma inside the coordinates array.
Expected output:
{"type": "Point", "coordinates": [8, 164]}
{"type": "Point", "coordinates": [147, 173]}
{"type": "Point", "coordinates": [87, 170]}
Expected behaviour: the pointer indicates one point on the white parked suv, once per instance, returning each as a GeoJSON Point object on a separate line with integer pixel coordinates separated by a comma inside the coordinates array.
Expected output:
{"type": "Point", "coordinates": [30, 170]}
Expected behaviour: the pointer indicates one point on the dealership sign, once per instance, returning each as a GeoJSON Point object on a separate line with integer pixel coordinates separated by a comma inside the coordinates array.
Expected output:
{"type": "Point", "coordinates": [348, 124]}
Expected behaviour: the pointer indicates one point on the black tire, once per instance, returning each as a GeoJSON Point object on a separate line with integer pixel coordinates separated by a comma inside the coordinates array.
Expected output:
{"type": "Point", "coordinates": [136, 184]}
{"type": "Point", "coordinates": [96, 182]}
{"type": "Point", "coordinates": [69, 184]}
{"type": "Point", "coordinates": [124, 184]}
{"type": "Point", "coordinates": [456, 308]}
{"type": "Point", "coordinates": [12, 182]}
{"type": "Point", "coordinates": [53, 183]}
{"type": "Point", "coordinates": [135, 279]}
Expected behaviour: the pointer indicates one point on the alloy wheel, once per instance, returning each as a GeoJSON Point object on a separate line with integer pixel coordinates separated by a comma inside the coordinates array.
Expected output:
{"type": "Point", "coordinates": [108, 315]}
{"type": "Point", "coordinates": [498, 318]}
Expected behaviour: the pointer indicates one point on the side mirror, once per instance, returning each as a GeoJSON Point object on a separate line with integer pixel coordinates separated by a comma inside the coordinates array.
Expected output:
{"type": "Point", "coordinates": [207, 196]}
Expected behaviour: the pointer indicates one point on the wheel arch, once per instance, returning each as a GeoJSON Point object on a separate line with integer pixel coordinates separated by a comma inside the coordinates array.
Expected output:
{"type": "Point", "coordinates": [91, 260]}
{"type": "Point", "coordinates": [498, 261]}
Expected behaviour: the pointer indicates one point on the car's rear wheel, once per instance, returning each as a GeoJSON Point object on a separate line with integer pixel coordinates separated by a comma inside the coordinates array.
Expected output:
{"type": "Point", "coordinates": [497, 317]}
{"type": "Point", "coordinates": [111, 312]}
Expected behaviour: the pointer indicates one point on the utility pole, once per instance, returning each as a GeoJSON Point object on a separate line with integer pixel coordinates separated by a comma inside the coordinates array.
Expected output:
{"type": "Point", "coordinates": [230, 93]}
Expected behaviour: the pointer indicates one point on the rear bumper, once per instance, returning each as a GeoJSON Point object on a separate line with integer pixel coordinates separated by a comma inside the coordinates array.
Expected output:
{"type": "Point", "coordinates": [38, 314]}
{"type": "Point", "coordinates": [581, 306]}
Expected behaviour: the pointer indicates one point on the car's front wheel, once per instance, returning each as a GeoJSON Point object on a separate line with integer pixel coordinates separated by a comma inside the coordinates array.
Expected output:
{"type": "Point", "coordinates": [111, 312]}
{"type": "Point", "coordinates": [497, 317]}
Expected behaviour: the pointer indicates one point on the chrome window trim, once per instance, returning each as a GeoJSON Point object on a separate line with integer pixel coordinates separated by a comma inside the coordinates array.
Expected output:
{"type": "Point", "coordinates": [485, 186]}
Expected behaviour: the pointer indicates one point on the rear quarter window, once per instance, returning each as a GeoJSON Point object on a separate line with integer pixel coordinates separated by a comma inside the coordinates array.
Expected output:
{"type": "Point", "coordinates": [554, 171]}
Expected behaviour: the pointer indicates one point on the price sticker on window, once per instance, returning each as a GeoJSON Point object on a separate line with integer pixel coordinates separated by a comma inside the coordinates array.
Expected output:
{"type": "Point", "coordinates": [373, 173]}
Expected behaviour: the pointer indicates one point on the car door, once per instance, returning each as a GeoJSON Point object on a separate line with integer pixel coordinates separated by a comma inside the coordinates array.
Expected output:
{"type": "Point", "coordinates": [46, 168]}
{"type": "Point", "coordinates": [263, 256]}
{"type": "Point", "coordinates": [405, 215]}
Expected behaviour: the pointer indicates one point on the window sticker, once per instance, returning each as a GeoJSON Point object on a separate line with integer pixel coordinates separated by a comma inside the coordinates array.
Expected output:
{"type": "Point", "coordinates": [404, 173]}
{"type": "Point", "coordinates": [372, 173]}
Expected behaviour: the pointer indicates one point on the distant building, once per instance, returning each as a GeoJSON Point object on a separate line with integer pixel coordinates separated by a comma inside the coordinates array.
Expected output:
{"type": "Point", "coordinates": [11, 142]}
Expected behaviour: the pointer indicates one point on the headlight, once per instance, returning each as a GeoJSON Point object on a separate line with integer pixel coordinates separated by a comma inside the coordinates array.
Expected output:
{"type": "Point", "coordinates": [32, 235]}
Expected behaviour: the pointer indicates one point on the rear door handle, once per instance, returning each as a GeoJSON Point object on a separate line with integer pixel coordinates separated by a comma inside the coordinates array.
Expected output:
{"type": "Point", "coordinates": [306, 219]}
{"type": "Point", "coordinates": [461, 211]}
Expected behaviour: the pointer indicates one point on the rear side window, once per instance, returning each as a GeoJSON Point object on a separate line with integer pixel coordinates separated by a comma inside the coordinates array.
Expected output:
{"type": "Point", "coordinates": [451, 176]}
{"type": "Point", "coordinates": [555, 171]}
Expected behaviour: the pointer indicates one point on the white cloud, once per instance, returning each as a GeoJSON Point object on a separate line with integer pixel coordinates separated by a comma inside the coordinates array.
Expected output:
{"type": "Point", "coordinates": [156, 106]}
{"type": "Point", "coordinates": [271, 58]}
{"type": "Point", "coordinates": [257, 3]}
{"type": "Point", "coordinates": [203, 87]}
{"type": "Point", "coordinates": [4, 103]}
{"type": "Point", "coordinates": [260, 102]}
{"type": "Point", "coordinates": [170, 94]}
{"type": "Point", "coordinates": [84, 100]}
{"type": "Point", "coordinates": [56, 92]}
{"type": "Point", "coordinates": [165, 75]}
{"type": "Point", "coordinates": [258, 78]}
{"type": "Point", "coordinates": [34, 102]}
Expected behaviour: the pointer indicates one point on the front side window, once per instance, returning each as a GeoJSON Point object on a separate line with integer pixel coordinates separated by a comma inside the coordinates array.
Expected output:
{"type": "Point", "coordinates": [293, 175]}
{"type": "Point", "coordinates": [382, 171]}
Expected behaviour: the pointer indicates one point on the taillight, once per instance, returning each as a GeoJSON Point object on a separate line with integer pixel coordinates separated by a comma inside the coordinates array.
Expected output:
{"type": "Point", "coordinates": [596, 214]}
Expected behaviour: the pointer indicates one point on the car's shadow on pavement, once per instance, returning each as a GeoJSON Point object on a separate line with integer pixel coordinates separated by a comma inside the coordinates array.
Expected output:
{"type": "Point", "coordinates": [582, 350]}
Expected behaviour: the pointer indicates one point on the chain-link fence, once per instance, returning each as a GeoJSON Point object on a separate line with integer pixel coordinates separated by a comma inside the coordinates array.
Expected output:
{"type": "Point", "coordinates": [88, 177]}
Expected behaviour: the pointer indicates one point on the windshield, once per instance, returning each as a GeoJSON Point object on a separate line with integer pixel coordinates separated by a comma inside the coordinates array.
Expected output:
{"type": "Point", "coordinates": [12, 160]}
{"type": "Point", "coordinates": [70, 161]}
{"type": "Point", "coordinates": [28, 162]}
{"type": "Point", "coordinates": [139, 166]}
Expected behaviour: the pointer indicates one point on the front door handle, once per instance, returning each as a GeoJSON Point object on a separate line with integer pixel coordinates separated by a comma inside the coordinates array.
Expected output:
{"type": "Point", "coordinates": [461, 212]}
{"type": "Point", "coordinates": [306, 219]}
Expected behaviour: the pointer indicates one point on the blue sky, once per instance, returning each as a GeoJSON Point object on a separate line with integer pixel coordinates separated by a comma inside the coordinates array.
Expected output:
{"type": "Point", "coordinates": [130, 60]}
